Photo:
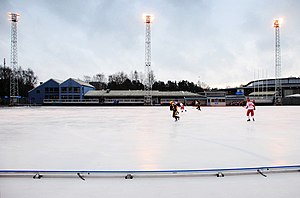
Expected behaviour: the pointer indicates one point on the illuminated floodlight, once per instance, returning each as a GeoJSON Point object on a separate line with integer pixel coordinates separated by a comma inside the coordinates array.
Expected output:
{"type": "Point", "coordinates": [13, 16]}
{"type": "Point", "coordinates": [277, 22]}
{"type": "Point", "coordinates": [148, 18]}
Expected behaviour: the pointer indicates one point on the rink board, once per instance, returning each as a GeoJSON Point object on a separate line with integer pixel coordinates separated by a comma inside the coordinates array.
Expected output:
{"type": "Point", "coordinates": [129, 174]}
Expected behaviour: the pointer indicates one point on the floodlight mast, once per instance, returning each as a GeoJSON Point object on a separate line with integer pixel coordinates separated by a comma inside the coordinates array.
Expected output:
{"type": "Point", "coordinates": [148, 72]}
{"type": "Point", "coordinates": [278, 87]}
{"type": "Point", "coordinates": [14, 89]}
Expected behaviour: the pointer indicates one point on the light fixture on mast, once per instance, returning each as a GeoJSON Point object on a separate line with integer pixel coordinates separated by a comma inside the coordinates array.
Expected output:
{"type": "Point", "coordinates": [14, 89]}
{"type": "Point", "coordinates": [278, 88]}
{"type": "Point", "coordinates": [148, 72]}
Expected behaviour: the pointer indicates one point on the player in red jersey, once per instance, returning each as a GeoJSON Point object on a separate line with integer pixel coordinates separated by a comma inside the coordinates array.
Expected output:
{"type": "Point", "coordinates": [250, 106]}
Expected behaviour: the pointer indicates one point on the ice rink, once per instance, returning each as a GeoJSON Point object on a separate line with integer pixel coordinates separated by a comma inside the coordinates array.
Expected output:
{"type": "Point", "coordinates": [148, 138]}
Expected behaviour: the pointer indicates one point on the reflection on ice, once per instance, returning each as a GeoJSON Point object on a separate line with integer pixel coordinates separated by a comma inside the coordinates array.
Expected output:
{"type": "Point", "coordinates": [147, 138]}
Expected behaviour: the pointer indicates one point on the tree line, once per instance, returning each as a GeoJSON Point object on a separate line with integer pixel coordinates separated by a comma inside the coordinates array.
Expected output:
{"type": "Point", "coordinates": [135, 81]}
{"type": "Point", "coordinates": [117, 81]}
{"type": "Point", "coordinates": [26, 81]}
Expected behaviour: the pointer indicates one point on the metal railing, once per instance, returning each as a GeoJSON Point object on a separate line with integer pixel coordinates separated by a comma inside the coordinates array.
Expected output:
{"type": "Point", "coordinates": [130, 174]}
{"type": "Point", "coordinates": [120, 101]}
{"type": "Point", "coordinates": [72, 101]}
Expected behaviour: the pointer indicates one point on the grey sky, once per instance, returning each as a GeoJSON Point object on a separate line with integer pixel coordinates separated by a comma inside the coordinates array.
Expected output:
{"type": "Point", "coordinates": [222, 43]}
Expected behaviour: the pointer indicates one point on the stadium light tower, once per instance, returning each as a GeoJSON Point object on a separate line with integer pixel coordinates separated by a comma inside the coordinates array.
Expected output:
{"type": "Point", "coordinates": [148, 72]}
{"type": "Point", "coordinates": [278, 88]}
{"type": "Point", "coordinates": [14, 89]}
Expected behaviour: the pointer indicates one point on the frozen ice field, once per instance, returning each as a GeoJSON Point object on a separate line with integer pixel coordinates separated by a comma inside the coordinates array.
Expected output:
{"type": "Point", "coordinates": [148, 138]}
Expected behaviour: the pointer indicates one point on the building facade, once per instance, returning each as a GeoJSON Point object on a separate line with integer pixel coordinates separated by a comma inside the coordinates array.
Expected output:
{"type": "Point", "coordinates": [136, 97]}
{"type": "Point", "coordinates": [263, 90]}
{"type": "Point", "coordinates": [57, 91]}
{"type": "Point", "coordinates": [74, 89]}
{"type": "Point", "coordinates": [47, 90]}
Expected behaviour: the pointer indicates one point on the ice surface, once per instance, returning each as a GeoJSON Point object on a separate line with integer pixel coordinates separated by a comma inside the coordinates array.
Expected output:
{"type": "Point", "coordinates": [148, 138]}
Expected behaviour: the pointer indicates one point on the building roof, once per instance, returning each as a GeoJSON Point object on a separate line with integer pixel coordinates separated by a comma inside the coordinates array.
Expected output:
{"type": "Point", "coordinates": [293, 96]}
{"type": "Point", "coordinates": [61, 81]}
{"type": "Point", "coordinates": [82, 83]}
{"type": "Point", "coordinates": [262, 93]}
{"type": "Point", "coordinates": [51, 79]}
{"type": "Point", "coordinates": [57, 80]}
{"type": "Point", "coordinates": [290, 81]}
{"type": "Point", "coordinates": [138, 93]}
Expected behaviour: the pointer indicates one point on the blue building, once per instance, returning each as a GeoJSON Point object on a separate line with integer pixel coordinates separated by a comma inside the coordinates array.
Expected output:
{"type": "Point", "coordinates": [57, 91]}
{"type": "Point", "coordinates": [47, 90]}
{"type": "Point", "coordinates": [74, 89]}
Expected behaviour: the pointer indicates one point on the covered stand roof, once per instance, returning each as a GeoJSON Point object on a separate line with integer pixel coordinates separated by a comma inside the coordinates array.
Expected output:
{"type": "Point", "coordinates": [138, 93]}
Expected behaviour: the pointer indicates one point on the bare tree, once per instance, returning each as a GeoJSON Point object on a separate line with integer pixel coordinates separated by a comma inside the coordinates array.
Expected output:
{"type": "Point", "coordinates": [99, 78]}
{"type": "Point", "coordinates": [151, 77]}
{"type": "Point", "coordinates": [87, 79]}
{"type": "Point", "coordinates": [134, 76]}
{"type": "Point", "coordinates": [204, 86]}
{"type": "Point", "coordinates": [118, 78]}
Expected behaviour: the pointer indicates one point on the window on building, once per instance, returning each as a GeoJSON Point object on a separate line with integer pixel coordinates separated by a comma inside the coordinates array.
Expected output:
{"type": "Point", "coordinates": [56, 90]}
{"type": "Point", "coordinates": [76, 89]}
{"type": "Point", "coordinates": [294, 81]}
{"type": "Point", "coordinates": [271, 82]}
{"type": "Point", "coordinates": [46, 90]}
{"type": "Point", "coordinates": [64, 89]}
{"type": "Point", "coordinates": [51, 89]}
{"type": "Point", "coordinates": [70, 90]}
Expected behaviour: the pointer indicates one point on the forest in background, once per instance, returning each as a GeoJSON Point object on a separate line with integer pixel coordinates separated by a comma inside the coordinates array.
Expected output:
{"type": "Point", "coordinates": [26, 81]}
{"type": "Point", "coordinates": [135, 81]}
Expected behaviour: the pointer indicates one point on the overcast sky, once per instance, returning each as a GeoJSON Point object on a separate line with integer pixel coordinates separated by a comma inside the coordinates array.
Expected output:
{"type": "Point", "coordinates": [223, 43]}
